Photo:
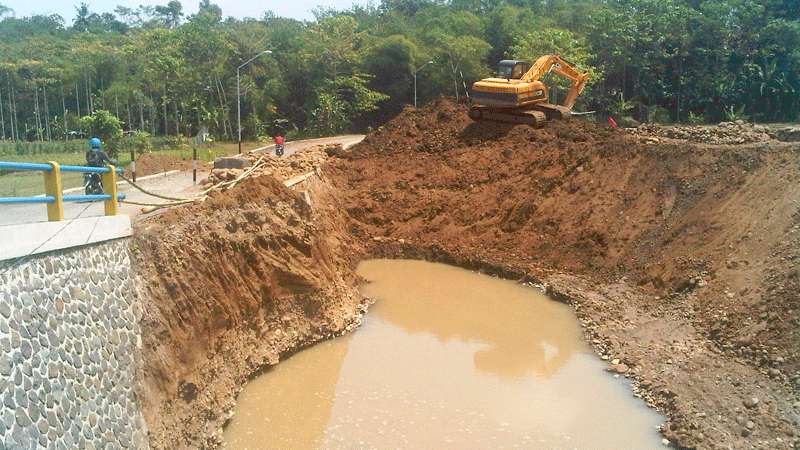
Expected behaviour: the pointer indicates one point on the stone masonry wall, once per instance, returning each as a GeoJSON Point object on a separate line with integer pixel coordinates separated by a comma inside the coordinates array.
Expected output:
{"type": "Point", "coordinates": [69, 333]}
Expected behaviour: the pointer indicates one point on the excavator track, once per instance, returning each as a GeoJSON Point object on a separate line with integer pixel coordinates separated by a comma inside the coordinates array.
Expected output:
{"type": "Point", "coordinates": [535, 117]}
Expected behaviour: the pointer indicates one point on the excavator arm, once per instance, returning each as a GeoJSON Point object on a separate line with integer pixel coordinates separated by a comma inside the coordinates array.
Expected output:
{"type": "Point", "coordinates": [559, 65]}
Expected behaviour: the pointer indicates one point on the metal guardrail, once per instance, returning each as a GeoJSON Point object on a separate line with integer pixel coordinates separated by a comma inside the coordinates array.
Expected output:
{"type": "Point", "coordinates": [54, 196]}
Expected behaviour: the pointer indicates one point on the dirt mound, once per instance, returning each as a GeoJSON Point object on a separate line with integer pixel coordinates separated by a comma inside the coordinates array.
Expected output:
{"type": "Point", "coordinates": [231, 285]}
{"type": "Point", "coordinates": [151, 163]}
{"type": "Point", "coordinates": [282, 168]}
{"type": "Point", "coordinates": [786, 134]}
{"type": "Point", "coordinates": [681, 260]}
{"type": "Point", "coordinates": [725, 133]}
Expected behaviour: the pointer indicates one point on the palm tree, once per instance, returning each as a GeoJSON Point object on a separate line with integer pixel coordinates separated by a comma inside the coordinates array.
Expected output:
{"type": "Point", "coordinates": [5, 10]}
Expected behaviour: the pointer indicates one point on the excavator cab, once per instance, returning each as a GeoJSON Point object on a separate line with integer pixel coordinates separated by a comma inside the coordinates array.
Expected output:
{"type": "Point", "coordinates": [512, 69]}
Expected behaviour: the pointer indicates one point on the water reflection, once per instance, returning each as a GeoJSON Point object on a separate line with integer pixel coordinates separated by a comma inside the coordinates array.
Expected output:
{"type": "Point", "coordinates": [446, 359]}
{"type": "Point", "coordinates": [451, 303]}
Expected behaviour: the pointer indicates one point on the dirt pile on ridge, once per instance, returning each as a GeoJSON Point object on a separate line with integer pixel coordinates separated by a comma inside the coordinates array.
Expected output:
{"type": "Point", "coordinates": [231, 285]}
{"type": "Point", "coordinates": [282, 168]}
{"type": "Point", "coordinates": [681, 260]}
{"type": "Point", "coordinates": [725, 133]}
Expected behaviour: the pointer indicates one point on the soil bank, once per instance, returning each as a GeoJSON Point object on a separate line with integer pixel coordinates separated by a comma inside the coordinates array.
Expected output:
{"type": "Point", "coordinates": [231, 285]}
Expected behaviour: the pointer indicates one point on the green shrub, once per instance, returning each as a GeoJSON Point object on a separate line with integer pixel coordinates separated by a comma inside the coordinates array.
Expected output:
{"type": "Point", "coordinates": [140, 142]}
{"type": "Point", "coordinates": [107, 127]}
{"type": "Point", "coordinates": [733, 114]}
{"type": "Point", "coordinates": [696, 119]}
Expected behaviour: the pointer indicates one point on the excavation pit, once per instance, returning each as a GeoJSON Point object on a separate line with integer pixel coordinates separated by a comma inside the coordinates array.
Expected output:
{"type": "Point", "coordinates": [446, 358]}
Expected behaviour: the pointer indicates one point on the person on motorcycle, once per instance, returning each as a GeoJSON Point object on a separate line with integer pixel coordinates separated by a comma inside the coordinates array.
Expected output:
{"type": "Point", "coordinates": [95, 157]}
{"type": "Point", "coordinates": [279, 141]}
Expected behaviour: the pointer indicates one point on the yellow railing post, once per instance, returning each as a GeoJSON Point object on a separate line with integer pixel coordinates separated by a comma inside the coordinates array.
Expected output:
{"type": "Point", "coordinates": [52, 187]}
{"type": "Point", "coordinates": [110, 187]}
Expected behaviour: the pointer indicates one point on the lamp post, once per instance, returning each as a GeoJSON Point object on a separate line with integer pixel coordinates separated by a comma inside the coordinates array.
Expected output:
{"type": "Point", "coordinates": [238, 96]}
{"type": "Point", "coordinates": [415, 80]}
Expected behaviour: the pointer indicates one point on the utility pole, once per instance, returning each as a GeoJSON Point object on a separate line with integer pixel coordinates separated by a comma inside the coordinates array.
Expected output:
{"type": "Point", "coordinates": [239, 95]}
{"type": "Point", "coordinates": [415, 80]}
{"type": "Point", "coordinates": [2, 117]}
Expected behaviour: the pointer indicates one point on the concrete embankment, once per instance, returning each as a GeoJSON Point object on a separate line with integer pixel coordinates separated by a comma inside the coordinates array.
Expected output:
{"type": "Point", "coordinates": [69, 339]}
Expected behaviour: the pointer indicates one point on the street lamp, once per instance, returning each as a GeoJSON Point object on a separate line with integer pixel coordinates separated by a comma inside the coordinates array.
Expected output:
{"type": "Point", "coordinates": [415, 80]}
{"type": "Point", "coordinates": [238, 96]}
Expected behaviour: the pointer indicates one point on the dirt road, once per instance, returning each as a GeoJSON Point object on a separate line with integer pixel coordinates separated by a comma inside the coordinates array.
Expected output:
{"type": "Point", "coordinates": [294, 146]}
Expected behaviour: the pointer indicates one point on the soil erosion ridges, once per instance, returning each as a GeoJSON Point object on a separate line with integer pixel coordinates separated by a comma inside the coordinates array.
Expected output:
{"type": "Point", "coordinates": [231, 285]}
{"type": "Point", "coordinates": [681, 259]}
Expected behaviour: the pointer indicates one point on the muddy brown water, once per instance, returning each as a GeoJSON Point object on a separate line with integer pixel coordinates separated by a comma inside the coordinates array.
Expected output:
{"type": "Point", "coordinates": [446, 358]}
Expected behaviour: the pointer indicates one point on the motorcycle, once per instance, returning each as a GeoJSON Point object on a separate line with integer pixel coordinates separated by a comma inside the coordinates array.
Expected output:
{"type": "Point", "coordinates": [92, 183]}
{"type": "Point", "coordinates": [279, 149]}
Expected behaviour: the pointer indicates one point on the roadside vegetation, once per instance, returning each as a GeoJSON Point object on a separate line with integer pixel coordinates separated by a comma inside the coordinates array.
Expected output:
{"type": "Point", "coordinates": [169, 73]}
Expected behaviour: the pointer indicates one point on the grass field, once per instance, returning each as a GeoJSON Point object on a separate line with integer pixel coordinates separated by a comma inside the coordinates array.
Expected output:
{"type": "Point", "coordinates": [23, 184]}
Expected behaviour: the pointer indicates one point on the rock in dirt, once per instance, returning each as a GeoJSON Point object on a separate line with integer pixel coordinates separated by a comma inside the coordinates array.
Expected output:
{"type": "Point", "coordinates": [726, 133]}
{"type": "Point", "coordinates": [232, 162]}
{"type": "Point", "coordinates": [787, 134]}
{"type": "Point", "coordinates": [751, 402]}
{"type": "Point", "coordinates": [619, 368]}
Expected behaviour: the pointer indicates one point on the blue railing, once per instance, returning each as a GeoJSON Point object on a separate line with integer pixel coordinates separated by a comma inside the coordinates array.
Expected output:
{"type": "Point", "coordinates": [54, 197]}
{"type": "Point", "coordinates": [46, 167]}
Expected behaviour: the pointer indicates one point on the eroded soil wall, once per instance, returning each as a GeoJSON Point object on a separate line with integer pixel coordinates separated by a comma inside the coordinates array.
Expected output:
{"type": "Point", "coordinates": [231, 285]}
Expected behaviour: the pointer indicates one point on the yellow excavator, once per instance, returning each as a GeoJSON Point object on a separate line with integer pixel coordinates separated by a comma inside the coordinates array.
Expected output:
{"type": "Point", "coordinates": [517, 95]}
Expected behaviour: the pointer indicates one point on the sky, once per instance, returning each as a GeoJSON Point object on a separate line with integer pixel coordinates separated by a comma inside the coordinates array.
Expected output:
{"type": "Point", "coordinates": [297, 9]}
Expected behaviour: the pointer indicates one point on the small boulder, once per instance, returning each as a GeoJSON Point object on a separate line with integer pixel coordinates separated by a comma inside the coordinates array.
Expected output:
{"type": "Point", "coordinates": [751, 402]}
{"type": "Point", "coordinates": [232, 162]}
{"type": "Point", "coordinates": [620, 368]}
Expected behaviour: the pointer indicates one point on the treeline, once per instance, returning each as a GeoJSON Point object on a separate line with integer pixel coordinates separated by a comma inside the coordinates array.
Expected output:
{"type": "Point", "coordinates": [168, 73]}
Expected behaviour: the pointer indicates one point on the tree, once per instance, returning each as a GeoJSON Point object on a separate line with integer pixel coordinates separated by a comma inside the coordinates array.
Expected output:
{"type": "Point", "coordinates": [5, 10]}
{"type": "Point", "coordinates": [392, 61]}
{"type": "Point", "coordinates": [210, 9]}
{"type": "Point", "coordinates": [106, 126]}
{"type": "Point", "coordinates": [170, 14]}
{"type": "Point", "coordinates": [456, 42]}
{"type": "Point", "coordinates": [82, 18]}
{"type": "Point", "coordinates": [340, 101]}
